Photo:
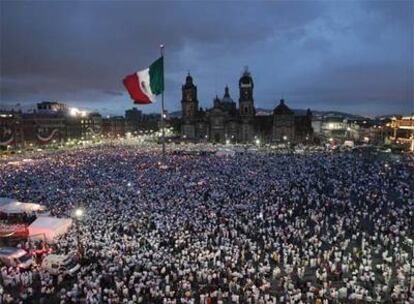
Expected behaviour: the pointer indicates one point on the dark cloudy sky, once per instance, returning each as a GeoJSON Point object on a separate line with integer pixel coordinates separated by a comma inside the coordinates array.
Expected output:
{"type": "Point", "coordinates": [354, 56]}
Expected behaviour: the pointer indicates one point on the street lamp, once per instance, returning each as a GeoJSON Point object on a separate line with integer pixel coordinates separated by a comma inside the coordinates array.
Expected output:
{"type": "Point", "coordinates": [348, 132]}
{"type": "Point", "coordinates": [284, 137]}
{"type": "Point", "coordinates": [79, 213]}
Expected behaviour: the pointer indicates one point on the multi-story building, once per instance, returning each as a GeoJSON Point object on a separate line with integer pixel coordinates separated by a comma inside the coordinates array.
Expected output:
{"type": "Point", "coordinates": [369, 131]}
{"type": "Point", "coordinates": [133, 118]}
{"type": "Point", "coordinates": [91, 125]}
{"type": "Point", "coordinates": [51, 123]}
{"type": "Point", "coordinates": [85, 126]}
{"type": "Point", "coordinates": [335, 128]}
{"type": "Point", "coordinates": [360, 130]}
{"type": "Point", "coordinates": [11, 129]}
{"type": "Point", "coordinates": [401, 131]}
{"type": "Point", "coordinates": [114, 126]}
{"type": "Point", "coordinates": [44, 127]}
{"type": "Point", "coordinates": [317, 125]}
{"type": "Point", "coordinates": [51, 106]}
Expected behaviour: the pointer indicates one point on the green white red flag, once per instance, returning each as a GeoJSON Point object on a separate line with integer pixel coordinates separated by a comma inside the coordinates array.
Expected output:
{"type": "Point", "coordinates": [143, 86]}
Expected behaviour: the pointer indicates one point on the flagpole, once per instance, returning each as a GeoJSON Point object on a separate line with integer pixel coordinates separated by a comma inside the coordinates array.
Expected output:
{"type": "Point", "coordinates": [162, 106]}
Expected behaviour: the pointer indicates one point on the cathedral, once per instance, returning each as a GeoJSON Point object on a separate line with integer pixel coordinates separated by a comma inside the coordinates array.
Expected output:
{"type": "Point", "coordinates": [225, 122]}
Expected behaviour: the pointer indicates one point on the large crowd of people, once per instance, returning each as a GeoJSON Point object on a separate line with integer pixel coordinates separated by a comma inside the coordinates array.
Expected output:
{"type": "Point", "coordinates": [251, 228]}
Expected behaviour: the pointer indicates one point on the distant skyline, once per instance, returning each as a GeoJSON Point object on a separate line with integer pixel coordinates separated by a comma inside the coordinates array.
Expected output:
{"type": "Point", "coordinates": [350, 56]}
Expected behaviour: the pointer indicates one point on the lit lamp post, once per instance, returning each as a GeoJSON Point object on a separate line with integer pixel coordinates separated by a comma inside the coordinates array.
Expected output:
{"type": "Point", "coordinates": [79, 213]}
{"type": "Point", "coordinates": [348, 133]}
{"type": "Point", "coordinates": [284, 140]}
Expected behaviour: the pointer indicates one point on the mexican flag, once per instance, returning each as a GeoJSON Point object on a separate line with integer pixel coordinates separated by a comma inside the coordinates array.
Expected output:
{"type": "Point", "coordinates": [144, 85]}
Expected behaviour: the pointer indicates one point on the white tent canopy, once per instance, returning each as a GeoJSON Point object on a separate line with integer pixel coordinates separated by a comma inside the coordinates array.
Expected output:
{"type": "Point", "coordinates": [19, 207]}
{"type": "Point", "coordinates": [49, 227]}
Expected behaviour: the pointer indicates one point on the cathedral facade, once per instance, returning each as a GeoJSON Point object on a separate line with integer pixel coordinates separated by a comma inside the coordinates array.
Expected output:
{"type": "Point", "coordinates": [227, 122]}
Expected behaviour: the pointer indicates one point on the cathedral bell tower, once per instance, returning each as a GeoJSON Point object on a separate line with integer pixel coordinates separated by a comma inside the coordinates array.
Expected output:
{"type": "Point", "coordinates": [189, 101]}
{"type": "Point", "coordinates": [246, 104]}
{"type": "Point", "coordinates": [246, 101]}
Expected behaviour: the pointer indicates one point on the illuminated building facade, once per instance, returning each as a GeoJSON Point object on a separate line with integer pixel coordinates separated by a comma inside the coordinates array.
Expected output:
{"type": "Point", "coordinates": [52, 123]}
{"type": "Point", "coordinates": [339, 129]}
{"type": "Point", "coordinates": [401, 131]}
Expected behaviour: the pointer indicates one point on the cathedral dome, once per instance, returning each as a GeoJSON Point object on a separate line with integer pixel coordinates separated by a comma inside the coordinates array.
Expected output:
{"type": "Point", "coordinates": [282, 109]}
{"type": "Point", "coordinates": [226, 98]}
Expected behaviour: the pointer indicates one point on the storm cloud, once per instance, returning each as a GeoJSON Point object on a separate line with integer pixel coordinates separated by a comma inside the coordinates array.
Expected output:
{"type": "Point", "coordinates": [350, 56]}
